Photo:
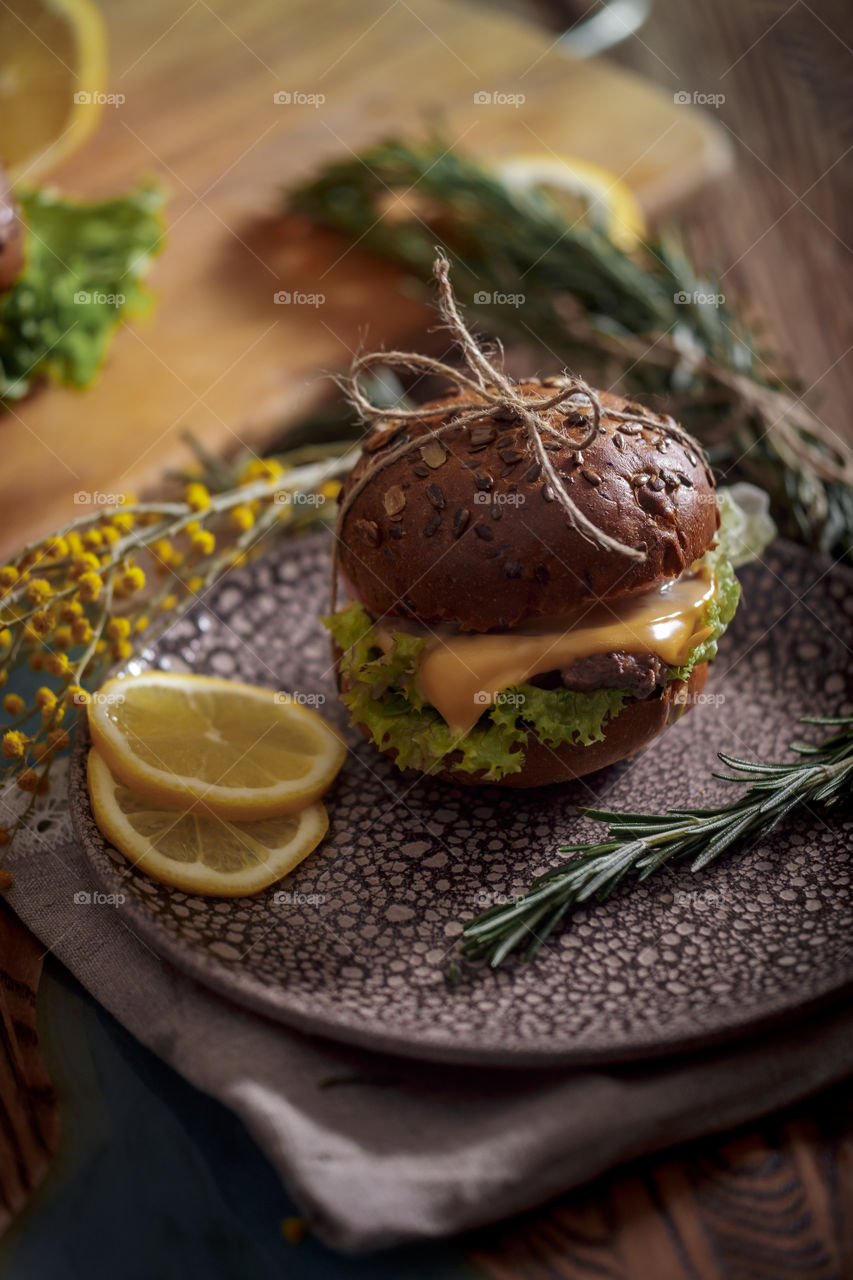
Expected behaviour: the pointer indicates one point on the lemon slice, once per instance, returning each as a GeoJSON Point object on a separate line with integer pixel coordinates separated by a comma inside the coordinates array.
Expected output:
{"type": "Point", "coordinates": [194, 851]}
{"type": "Point", "coordinates": [240, 751]}
{"type": "Point", "coordinates": [52, 73]}
{"type": "Point", "coordinates": [585, 188]}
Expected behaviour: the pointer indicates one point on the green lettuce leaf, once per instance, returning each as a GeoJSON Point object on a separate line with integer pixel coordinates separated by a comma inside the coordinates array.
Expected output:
{"type": "Point", "coordinates": [745, 530]}
{"type": "Point", "coordinates": [382, 696]}
{"type": "Point", "coordinates": [721, 609]}
{"type": "Point", "coordinates": [84, 264]}
{"type": "Point", "coordinates": [563, 715]}
{"type": "Point", "coordinates": [746, 527]}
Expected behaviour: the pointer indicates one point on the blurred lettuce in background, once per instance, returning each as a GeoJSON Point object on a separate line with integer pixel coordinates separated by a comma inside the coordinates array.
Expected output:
{"type": "Point", "coordinates": [83, 271]}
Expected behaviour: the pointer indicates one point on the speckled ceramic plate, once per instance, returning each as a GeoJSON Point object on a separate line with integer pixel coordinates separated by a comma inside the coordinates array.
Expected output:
{"type": "Point", "coordinates": [356, 943]}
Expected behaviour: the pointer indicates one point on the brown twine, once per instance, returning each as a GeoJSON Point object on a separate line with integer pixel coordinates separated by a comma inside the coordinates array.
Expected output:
{"type": "Point", "coordinates": [495, 395]}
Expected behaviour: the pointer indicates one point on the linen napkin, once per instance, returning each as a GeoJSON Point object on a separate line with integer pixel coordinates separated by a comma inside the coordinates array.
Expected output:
{"type": "Point", "coordinates": [379, 1150]}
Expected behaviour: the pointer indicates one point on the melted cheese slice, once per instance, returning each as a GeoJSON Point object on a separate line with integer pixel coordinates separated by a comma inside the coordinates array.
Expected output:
{"type": "Point", "coordinates": [461, 674]}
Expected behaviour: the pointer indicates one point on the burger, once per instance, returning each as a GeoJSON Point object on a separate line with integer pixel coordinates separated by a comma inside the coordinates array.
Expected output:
{"type": "Point", "coordinates": [534, 587]}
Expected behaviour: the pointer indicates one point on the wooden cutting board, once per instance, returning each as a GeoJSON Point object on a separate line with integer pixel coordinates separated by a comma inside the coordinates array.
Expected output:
{"type": "Point", "coordinates": [199, 81]}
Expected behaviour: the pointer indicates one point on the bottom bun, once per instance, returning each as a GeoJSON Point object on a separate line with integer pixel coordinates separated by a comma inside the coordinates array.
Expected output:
{"type": "Point", "coordinates": [626, 734]}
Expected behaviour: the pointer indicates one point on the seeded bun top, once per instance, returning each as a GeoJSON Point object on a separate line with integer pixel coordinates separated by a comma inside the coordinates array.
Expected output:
{"type": "Point", "coordinates": [464, 531]}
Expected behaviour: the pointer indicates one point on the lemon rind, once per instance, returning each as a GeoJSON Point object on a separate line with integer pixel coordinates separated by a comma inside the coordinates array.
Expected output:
{"type": "Point", "coordinates": [193, 878]}
{"type": "Point", "coordinates": [230, 803]}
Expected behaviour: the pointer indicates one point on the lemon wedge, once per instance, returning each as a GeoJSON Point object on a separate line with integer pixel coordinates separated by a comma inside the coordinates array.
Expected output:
{"type": "Point", "coordinates": [241, 752]}
{"type": "Point", "coordinates": [585, 188]}
{"type": "Point", "coordinates": [52, 72]}
{"type": "Point", "coordinates": [194, 851]}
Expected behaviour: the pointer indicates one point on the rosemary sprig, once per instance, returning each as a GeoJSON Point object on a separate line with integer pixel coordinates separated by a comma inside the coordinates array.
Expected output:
{"type": "Point", "coordinates": [638, 844]}
{"type": "Point", "coordinates": [643, 321]}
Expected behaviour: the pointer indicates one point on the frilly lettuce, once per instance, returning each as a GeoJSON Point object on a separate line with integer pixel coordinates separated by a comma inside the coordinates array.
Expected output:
{"type": "Point", "coordinates": [745, 524]}
{"type": "Point", "coordinates": [721, 609]}
{"type": "Point", "coordinates": [745, 530]}
{"type": "Point", "coordinates": [82, 276]}
{"type": "Point", "coordinates": [382, 696]}
{"type": "Point", "coordinates": [381, 692]}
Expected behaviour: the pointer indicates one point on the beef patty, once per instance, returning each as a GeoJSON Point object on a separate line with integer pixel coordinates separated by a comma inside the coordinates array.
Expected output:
{"type": "Point", "coordinates": [640, 673]}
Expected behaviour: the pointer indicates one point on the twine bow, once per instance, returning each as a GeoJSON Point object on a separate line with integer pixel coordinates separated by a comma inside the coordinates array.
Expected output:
{"type": "Point", "coordinates": [495, 396]}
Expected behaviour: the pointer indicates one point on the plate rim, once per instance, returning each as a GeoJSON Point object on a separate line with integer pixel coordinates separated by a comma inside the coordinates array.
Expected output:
{"type": "Point", "coordinates": [251, 994]}
{"type": "Point", "coordinates": [274, 1002]}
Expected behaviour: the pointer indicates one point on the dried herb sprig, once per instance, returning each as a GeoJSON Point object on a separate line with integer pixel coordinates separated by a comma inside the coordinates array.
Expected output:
{"type": "Point", "coordinates": [643, 321]}
{"type": "Point", "coordinates": [638, 844]}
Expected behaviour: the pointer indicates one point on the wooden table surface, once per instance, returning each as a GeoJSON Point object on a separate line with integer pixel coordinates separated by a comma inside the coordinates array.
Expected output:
{"type": "Point", "coordinates": [223, 354]}
{"type": "Point", "coordinates": [777, 1199]}
{"type": "Point", "coordinates": [778, 226]}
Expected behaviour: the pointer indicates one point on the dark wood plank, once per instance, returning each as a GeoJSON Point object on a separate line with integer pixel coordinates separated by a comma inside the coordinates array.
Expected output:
{"type": "Point", "coordinates": [774, 1201]}
{"type": "Point", "coordinates": [28, 1109]}
{"type": "Point", "coordinates": [777, 227]}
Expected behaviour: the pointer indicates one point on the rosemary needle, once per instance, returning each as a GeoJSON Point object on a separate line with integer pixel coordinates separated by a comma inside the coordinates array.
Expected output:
{"type": "Point", "coordinates": [638, 844]}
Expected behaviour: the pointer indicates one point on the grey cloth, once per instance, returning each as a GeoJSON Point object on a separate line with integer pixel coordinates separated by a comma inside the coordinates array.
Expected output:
{"type": "Point", "coordinates": [405, 1151]}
